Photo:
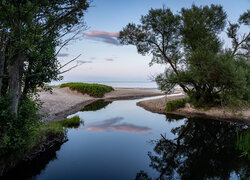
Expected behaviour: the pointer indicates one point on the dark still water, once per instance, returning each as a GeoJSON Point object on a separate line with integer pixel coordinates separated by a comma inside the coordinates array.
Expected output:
{"type": "Point", "coordinates": [120, 140]}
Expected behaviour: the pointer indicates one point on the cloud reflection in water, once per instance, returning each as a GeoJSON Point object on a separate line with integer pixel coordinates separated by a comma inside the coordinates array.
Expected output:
{"type": "Point", "coordinates": [114, 124]}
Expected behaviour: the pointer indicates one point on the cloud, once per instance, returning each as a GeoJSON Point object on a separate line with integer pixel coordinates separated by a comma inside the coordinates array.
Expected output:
{"type": "Point", "coordinates": [62, 55]}
{"type": "Point", "coordinates": [106, 37]}
{"type": "Point", "coordinates": [109, 59]}
{"type": "Point", "coordinates": [111, 125]}
{"type": "Point", "coordinates": [83, 62]}
{"type": "Point", "coordinates": [93, 58]}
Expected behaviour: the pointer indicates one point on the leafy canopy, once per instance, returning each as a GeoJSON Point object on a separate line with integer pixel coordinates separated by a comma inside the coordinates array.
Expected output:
{"type": "Point", "coordinates": [190, 46]}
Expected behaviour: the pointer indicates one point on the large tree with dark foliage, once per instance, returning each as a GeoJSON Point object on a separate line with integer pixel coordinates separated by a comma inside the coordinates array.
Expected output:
{"type": "Point", "coordinates": [30, 33]}
{"type": "Point", "coordinates": [190, 46]}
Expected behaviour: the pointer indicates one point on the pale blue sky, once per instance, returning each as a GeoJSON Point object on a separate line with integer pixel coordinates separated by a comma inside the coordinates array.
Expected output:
{"type": "Point", "coordinates": [111, 62]}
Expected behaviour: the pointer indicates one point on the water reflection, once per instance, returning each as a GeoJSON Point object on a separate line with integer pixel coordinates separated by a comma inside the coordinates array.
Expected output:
{"type": "Point", "coordinates": [203, 149]}
{"type": "Point", "coordinates": [114, 124]}
{"type": "Point", "coordinates": [97, 105]}
{"type": "Point", "coordinates": [30, 169]}
{"type": "Point", "coordinates": [191, 149]}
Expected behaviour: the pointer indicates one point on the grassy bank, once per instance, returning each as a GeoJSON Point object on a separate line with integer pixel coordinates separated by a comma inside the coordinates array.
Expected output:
{"type": "Point", "coordinates": [95, 90]}
{"type": "Point", "coordinates": [60, 126]}
{"type": "Point", "coordinates": [47, 136]}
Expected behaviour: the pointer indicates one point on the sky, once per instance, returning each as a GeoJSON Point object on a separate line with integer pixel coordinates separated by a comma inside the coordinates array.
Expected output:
{"type": "Point", "coordinates": [104, 59]}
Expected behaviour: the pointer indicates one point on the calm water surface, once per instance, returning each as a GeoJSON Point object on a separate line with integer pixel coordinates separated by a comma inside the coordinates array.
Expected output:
{"type": "Point", "coordinates": [120, 140]}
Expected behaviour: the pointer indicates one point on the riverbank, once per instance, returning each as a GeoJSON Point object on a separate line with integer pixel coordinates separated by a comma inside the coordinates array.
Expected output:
{"type": "Point", "coordinates": [223, 114]}
{"type": "Point", "coordinates": [63, 101]}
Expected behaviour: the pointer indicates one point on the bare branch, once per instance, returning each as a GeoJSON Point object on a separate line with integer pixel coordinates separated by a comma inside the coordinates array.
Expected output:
{"type": "Point", "coordinates": [65, 43]}
{"type": "Point", "coordinates": [69, 62]}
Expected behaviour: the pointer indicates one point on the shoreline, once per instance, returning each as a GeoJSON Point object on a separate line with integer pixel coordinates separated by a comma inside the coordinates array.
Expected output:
{"type": "Point", "coordinates": [159, 106]}
{"type": "Point", "coordinates": [64, 102]}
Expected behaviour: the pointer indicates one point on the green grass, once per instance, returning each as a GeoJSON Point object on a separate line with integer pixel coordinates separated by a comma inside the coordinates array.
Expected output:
{"type": "Point", "coordinates": [176, 104]}
{"type": "Point", "coordinates": [60, 126]}
{"type": "Point", "coordinates": [95, 90]}
{"type": "Point", "coordinates": [71, 122]}
{"type": "Point", "coordinates": [243, 143]}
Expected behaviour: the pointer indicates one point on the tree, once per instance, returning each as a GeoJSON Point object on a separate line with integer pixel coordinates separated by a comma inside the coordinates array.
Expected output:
{"type": "Point", "coordinates": [189, 44]}
{"type": "Point", "coordinates": [30, 31]}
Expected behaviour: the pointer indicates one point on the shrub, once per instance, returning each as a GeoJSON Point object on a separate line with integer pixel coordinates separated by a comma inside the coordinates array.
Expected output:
{"type": "Point", "coordinates": [95, 90]}
{"type": "Point", "coordinates": [20, 133]}
{"type": "Point", "coordinates": [17, 133]}
{"type": "Point", "coordinates": [176, 104]}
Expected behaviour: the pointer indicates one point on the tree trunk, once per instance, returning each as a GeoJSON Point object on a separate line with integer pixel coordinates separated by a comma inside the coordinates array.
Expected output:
{"type": "Point", "coordinates": [15, 69]}
{"type": "Point", "coordinates": [2, 59]}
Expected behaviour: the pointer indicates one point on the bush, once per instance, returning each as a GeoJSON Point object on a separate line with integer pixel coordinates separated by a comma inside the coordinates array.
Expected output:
{"type": "Point", "coordinates": [18, 133]}
{"type": "Point", "coordinates": [95, 90]}
{"type": "Point", "coordinates": [176, 104]}
{"type": "Point", "coordinates": [22, 132]}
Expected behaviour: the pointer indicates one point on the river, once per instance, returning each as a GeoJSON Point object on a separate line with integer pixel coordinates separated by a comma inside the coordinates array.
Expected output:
{"type": "Point", "coordinates": [120, 140]}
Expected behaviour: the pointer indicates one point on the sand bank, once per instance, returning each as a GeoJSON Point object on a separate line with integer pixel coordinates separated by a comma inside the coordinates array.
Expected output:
{"type": "Point", "coordinates": [63, 101]}
{"type": "Point", "coordinates": [158, 106]}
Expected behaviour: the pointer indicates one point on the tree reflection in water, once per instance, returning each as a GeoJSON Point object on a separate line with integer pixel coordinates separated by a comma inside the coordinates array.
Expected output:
{"type": "Point", "coordinates": [97, 105]}
{"type": "Point", "coordinates": [203, 149]}
{"type": "Point", "coordinates": [30, 169]}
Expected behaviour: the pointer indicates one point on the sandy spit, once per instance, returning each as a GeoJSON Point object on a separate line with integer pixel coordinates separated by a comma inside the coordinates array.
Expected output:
{"type": "Point", "coordinates": [63, 101]}
{"type": "Point", "coordinates": [158, 106]}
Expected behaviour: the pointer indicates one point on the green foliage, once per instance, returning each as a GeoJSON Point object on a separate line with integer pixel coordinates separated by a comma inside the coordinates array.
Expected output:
{"type": "Point", "coordinates": [243, 143]}
{"type": "Point", "coordinates": [176, 104]}
{"type": "Point", "coordinates": [95, 90]}
{"type": "Point", "coordinates": [51, 127]}
{"type": "Point", "coordinates": [30, 32]}
{"type": "Point", "coordinates": [22, 132]}
{"type": "Point", "coordinates": [29, 42]}
{"type": "Point", "coordinates": [189, 43]}
{"type": "Point", "coordinates": [60, 126]}
{"type": "Point", "coordinates": [73, 122]}
{"type": "Point", "coordinates": [43, 65]}
{"type": "Point", "coordinates": [17, 133]}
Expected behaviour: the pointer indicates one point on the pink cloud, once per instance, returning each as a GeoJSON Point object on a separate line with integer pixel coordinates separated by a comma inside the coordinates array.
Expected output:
{"type": "Point", "coordinates": [102, 33]}
{"type": "Point", "coordinates": [111, 125]}
{"type": "Point", "coordinates": [106, 37]}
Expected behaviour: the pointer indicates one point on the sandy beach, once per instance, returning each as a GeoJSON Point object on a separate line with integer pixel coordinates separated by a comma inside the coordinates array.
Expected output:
{"type": "Point", "coordinates": [158, 106]}
{"type": "Point", "coordinates": [63, 101]}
